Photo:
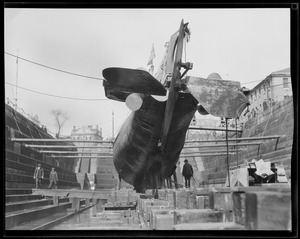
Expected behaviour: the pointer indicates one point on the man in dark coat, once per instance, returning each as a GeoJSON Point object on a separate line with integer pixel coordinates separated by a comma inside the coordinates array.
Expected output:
{"type": "Point", "coordinates": [187, 173]}
{"type": "Point", "coordinates": [38, 175]}
{"type": "Point", "coordinates": [53, 178]}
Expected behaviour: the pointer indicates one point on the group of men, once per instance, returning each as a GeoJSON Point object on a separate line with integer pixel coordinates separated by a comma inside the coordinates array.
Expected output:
{"type": "Point", "coordinates": [39, 175]}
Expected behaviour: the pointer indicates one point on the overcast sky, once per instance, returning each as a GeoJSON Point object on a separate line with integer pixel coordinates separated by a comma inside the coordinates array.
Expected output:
{"type": "Point", "coordinates": [242, 45]}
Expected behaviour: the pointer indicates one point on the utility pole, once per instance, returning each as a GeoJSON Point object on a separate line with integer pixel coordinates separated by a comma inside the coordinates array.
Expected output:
{"type": "Point", "coordinates": [17, 62]}
{"type": "Point", "coordinates": [113, 125]}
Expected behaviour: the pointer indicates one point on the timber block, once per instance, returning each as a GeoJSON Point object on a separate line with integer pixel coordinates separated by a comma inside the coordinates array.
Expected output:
{"type": "Point", "coordinates": [170, 197]}
{"type": "Point", "coordinates": [154, 202]}
{"type": "Point", "coordinates": [164, 222]}
{"type": "Point", "coordinates": [200, 202]}
{"type": "Point", "coordinates": [154, 212]}
{"type": "Point", "coordinates": [147, 211]}
{"type": "Point", "coordinates": [197, 215]}
{"type": "Point", "coordinates": [180, 198]}
{"type": "Point", "coordinates": [209, 226]}
{"type": "Point", "coordinates": [268, 211]}
{"type": "Point", "coordinates": [239, 200]}
{"type": "Point", "coordinates": [222, 201]}
{"type": "Point", "coordinates": [162, 194]}
{"type": "Point", "coordinates": [191, 200]}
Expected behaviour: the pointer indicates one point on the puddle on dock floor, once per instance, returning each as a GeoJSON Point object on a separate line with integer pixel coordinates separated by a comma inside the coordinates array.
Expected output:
{"type": "Point", "coordinates": [86, 221]}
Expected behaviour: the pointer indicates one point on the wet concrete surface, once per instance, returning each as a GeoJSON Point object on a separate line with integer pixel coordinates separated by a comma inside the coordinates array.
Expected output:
{"type": "Point", "coordinates": [102, 220]}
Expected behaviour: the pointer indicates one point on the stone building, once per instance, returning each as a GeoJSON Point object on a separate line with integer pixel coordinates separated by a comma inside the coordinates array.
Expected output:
{"type": "Point", "coordinates": [274, 88]}
{"type": "Point", "coordinates": [96, 162]}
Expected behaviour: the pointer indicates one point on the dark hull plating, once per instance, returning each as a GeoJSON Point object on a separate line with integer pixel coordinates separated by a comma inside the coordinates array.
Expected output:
{"type": "Point", "coordinates": [138, 157]}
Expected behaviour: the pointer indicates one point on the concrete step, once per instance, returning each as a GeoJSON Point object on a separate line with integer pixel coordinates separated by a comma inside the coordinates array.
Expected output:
{"type": "Point", "coordinates": [26, 163]}
{"type": "Point", "coordinates": [20, 185]}
{"type": "Point", "coordinates": [10, 177]}
{"type": "Point", "coordinates": [19, 206]}
{"type": "Point", "coordinates": [22, 197]}
{"type": "Point", "coordinates": [17, 191]}
{"type": "Point", "coordinates": [17, 218]}
{"type": "Point", "coordinates": [50, 221]}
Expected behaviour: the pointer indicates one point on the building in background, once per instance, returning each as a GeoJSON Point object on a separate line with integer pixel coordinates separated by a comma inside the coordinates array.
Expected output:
{"type": "Point", "coordinates": [87, 164]}
{"type": "Point", "coordinates": [274, 88]}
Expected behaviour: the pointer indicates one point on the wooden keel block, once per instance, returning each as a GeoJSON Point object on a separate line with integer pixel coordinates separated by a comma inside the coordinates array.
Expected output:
{"type": "Point", "coordinates": [197, 215]}
{"type": "Point", "coordinates": [181, 201]}
{"type": "Point", "coordinates": [191, 200]}
{"type": "Point", "coordinates": [155, 212]}
{"type": "Point", "coordinates": [164, 222]}
{"type": "Point", "coordinates": [268, 211]}
{"type": "Point", "coordinates": [209, 226]}
{"type": "Point", "coordinates": [238, 201]}
{"type": "Point", "coordinates": [200, 202]}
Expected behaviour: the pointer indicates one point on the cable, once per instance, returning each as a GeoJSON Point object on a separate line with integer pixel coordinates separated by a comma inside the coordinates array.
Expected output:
{"type": "Point", "coordinates": [67, 72]}
{"type": "Point", "coordinates": [70, 98]}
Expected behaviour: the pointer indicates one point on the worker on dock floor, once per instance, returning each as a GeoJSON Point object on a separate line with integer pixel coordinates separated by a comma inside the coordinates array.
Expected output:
{"type": "Point", "coordinates": [38, 175]}
{"type": "Point", "coordinates": [53, 178]}
{"type": "Point", "coordinates": [187, 173]}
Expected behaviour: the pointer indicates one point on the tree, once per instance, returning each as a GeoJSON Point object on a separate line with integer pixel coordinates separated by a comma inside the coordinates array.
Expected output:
{"type": "Point", "coordinates": [60, 118]}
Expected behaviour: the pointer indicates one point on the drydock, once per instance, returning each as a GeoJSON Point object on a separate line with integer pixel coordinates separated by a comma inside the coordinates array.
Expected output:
{"type": "Point", "coordinates": [237, 208]}
{"type": "Point", "coordinates": [240, 182]}
{"type": "Point", "coordinates": [208, 205]}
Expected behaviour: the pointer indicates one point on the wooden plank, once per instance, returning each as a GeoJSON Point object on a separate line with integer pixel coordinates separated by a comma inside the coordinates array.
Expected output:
{"type": "Point", "coordinates": [72, 193]}
{"type": "Point", "coordinates": [61, 146]}
{"type": "Point", "coordinates": [266, 187]}
{"type": "Point", "coordinates": [74, 152]}
{"type": "Point", "coordinates": [197, 215]}
{"type": "Point", "coordinates": [201, 191]}
{"type": "Point", "coordinates": [236, 139]}
{"type": "Point", "coordinates": [209, 226]}
{"type": "Point", "coordinates": [209, 151]}
{"type": "Point", "coordinates": [215, 129]}
{"type": "Point", "coordinates": [91, 156]}
{"type": "Point", "coordinates": [59, 140]}
{"type": "Point", "coordinates": [221, 145]}
{"type": "Point", "coordinates": [205, 155]}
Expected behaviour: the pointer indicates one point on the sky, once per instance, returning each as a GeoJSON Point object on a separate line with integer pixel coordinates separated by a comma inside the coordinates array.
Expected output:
{"type": "Point", "coordinates": [241, 44]}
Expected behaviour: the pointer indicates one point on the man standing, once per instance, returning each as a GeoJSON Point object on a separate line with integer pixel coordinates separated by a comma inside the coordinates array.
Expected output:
{"type": "Point", "coordinates": [187, 173]}
{"type": "Point", "coordinates": [38, 175]}
{"type": "Point", "coordinates": [53, 178]}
